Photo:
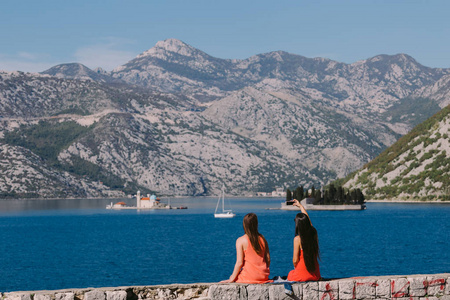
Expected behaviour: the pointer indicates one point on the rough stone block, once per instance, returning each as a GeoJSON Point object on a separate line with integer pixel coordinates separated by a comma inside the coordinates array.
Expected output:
{"type": "Point", "coordinates": [192, 293]}
{"type": "Point", "coordinates": [365, 288]}
{"type": "Point", "coordinates": [64, 296]}
{"type": "Point", "coordinates": [445, 297]}
{"type": "Point", "coordinates": [165, 293]}
{"type": "Point", "coordinates": [436, 286]}
{"type": "Point", "coordinates": [116, 295]}
{"type": "Point", "coordinates": [399, 288]}
{"type": "Point", "coordinates": [258, 292]}
{"type": "Point", "coordinates": [243, 292]}
{"type": "Point", "coordinates": [297, 288]}
{"type": "Point", "coordinates": [346, 289]}
{"type": "Point", "coordinates": [447, 287]}
{"type": "Point", "coordinates": [95, 295]}
{"type": "Point", "coordinates": [328, 290]}
{"type": "Point", "coordinates": [277, 292]}
{"type": "Point", "coordinates": [17, 296]}
{"type": "Point", "coordinates": [41, 297]}
{"type": "Point", "coordinates": [144, 293]}
{"type": "Point", "coordinates": [383, 288]}
{"type": "Point", "coordinates": [310, 291]}
{"type": "Point", "coordinates": [224, 291]}
{"type": "Point", "coordinates": [417, 286]}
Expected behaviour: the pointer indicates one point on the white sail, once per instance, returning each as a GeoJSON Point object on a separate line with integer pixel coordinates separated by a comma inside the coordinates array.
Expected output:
{"type": "Point", "coordinates": [224, 213]}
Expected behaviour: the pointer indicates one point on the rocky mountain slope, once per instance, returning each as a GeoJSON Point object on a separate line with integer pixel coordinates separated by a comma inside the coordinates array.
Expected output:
{"type": "Point", "coordinates": [126, 141]}
{"type": "Point", "coordinates": [176, 120]}
{"type": "Point", "coordinates": [375, 83]}
{"type": "Point", "coordinates": [416, 167]}
{"type": "Point", "coordinates": [25, 174]}
{"type": "Point", "coordinates": [325, 140]}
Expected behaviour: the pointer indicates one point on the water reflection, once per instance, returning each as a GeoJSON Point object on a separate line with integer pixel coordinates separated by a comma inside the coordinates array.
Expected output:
{"type": "Point", "coordinates": [16, 205]}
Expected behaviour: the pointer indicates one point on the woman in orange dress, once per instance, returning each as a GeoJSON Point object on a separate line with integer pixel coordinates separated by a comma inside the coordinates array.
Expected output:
{"type": "Point", "coordinates": [252, 255]}
{"type": "Point", "coordinates": [306, 249]}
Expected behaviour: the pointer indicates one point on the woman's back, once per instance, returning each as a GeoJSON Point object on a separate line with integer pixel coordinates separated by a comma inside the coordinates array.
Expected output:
{"type": "Point", "coordinates": [301, 273]}
{"type": "Point", "coordinates": [255, 268]}
{"type": "Point", "coordinates": [306, 248]}
{"type": "Point", "coordinates": [252, 254]}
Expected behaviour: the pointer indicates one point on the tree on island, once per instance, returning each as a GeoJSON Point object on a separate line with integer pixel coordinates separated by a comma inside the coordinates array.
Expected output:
{"type": "Point", "coordinates": [300, 192]}
{"type": "Point", "coordinates": [331, 195]}
{"type": "Point", "coordinates": [288, 195]}
{"type": "Point", "coordinates": [360, 197]}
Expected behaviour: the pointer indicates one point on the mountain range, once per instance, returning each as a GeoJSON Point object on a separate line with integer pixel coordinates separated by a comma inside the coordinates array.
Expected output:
{"type": "Point", "coordinates": [176, 120]}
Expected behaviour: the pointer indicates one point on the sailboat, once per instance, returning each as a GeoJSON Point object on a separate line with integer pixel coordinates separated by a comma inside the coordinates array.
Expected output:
{"type": "Point", "coordinates": [224, 213]}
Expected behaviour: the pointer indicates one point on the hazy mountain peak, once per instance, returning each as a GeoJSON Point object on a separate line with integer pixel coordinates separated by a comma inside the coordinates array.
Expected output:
{"type": "Point", "coordinates": [170, 45]}
{"type": "Point", "coordinates": [396, 58]}
{"type": "Point", "coordinates": [68, 70]}
{"type": "Point", "coordinates": [80, 72]}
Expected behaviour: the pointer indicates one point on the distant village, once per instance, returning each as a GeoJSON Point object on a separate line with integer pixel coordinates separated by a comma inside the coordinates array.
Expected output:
{"type": "Point", "coordinates": [279, 192]}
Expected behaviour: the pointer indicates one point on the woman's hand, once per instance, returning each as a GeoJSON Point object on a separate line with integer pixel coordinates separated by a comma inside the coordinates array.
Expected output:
{"type": "Point", "coordinates": [302, 209]}
{"type": "Point", "coordinates": [226, 281]}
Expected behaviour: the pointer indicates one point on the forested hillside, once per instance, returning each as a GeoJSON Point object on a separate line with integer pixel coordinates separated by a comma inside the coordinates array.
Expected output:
{"type": "Point", "coordinates": [416, 167]}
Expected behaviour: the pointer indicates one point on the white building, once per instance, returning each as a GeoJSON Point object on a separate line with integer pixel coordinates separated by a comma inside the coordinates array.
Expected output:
{"type": "Point", "coordinates": [149, 202]}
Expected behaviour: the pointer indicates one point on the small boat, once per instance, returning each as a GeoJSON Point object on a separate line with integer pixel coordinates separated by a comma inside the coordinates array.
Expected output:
{"type": "Point", "coordinates": [224, 213]}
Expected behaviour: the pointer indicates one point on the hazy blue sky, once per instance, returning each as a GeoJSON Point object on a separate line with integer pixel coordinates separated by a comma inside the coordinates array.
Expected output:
{"type": "Point", "coordinates": [37, 34]}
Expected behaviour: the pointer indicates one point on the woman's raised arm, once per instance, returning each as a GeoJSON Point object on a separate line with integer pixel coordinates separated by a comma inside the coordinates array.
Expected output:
{"type": "Point", "coordinates": [303, 210]}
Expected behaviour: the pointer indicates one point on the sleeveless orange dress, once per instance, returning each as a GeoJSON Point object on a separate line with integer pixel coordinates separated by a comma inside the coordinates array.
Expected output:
{"type": "Point", "coordinates": [300, 273]}
{"type": "Point", "coordinates": [254, 269]}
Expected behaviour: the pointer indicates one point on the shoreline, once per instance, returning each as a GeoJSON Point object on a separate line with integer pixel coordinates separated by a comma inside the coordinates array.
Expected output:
{"type": "Point", "coordinates": [409, 201]}
{"type": "Point", "coordinates": [230, 197]}
{"type": "Point", "coordinates": [163, 196]}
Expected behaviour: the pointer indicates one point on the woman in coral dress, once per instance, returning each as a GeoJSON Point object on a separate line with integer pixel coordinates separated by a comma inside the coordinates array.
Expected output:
{"type": "Point", "coordinates": [306, 249]}
{"type": "Point", "coordinates": [252, 255]}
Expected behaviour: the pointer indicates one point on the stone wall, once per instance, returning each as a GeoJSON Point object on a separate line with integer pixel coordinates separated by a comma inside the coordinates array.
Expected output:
{"type": "Point", "coordinates": [412, 287]}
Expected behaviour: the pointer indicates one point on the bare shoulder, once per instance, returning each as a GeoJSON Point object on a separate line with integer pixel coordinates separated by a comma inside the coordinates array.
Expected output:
{"type": "Point", "coordinates": [297, 240]}
{"type": "Point", "coordinates": [242, 240]}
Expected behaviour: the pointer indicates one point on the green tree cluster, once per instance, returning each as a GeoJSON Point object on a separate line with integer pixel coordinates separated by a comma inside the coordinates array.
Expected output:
{"type": "Point", "coordinates": [338, 195]}
{"type": "Point", "coordinates": [331, 195]}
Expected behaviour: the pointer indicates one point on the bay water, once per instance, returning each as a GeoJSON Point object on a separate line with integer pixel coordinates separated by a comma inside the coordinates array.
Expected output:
{"type": "Point", "coordinates": [56, 244]}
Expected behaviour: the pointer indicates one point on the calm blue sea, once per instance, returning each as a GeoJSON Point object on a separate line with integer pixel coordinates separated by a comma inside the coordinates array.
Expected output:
{"type": "Point", "coordinates": [57, 244]}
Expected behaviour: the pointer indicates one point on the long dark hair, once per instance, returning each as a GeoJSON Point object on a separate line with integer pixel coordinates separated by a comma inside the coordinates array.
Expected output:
{"type": "Point", "coordinates": [309, 240]}
{"type": "Point", "coordinates": [250, 224]}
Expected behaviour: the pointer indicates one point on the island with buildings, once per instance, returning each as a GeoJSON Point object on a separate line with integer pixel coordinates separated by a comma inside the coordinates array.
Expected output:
{"type": "Point", "coordinates": [149, 202]}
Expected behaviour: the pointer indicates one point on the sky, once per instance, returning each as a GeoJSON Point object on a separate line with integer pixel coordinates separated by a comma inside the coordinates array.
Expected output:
{"type": "Point", "coordinates": [36, 35]}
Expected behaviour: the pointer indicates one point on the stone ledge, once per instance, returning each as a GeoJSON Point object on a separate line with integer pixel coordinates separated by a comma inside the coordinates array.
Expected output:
{"type": "Point", "coordinates": [412, 287]}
